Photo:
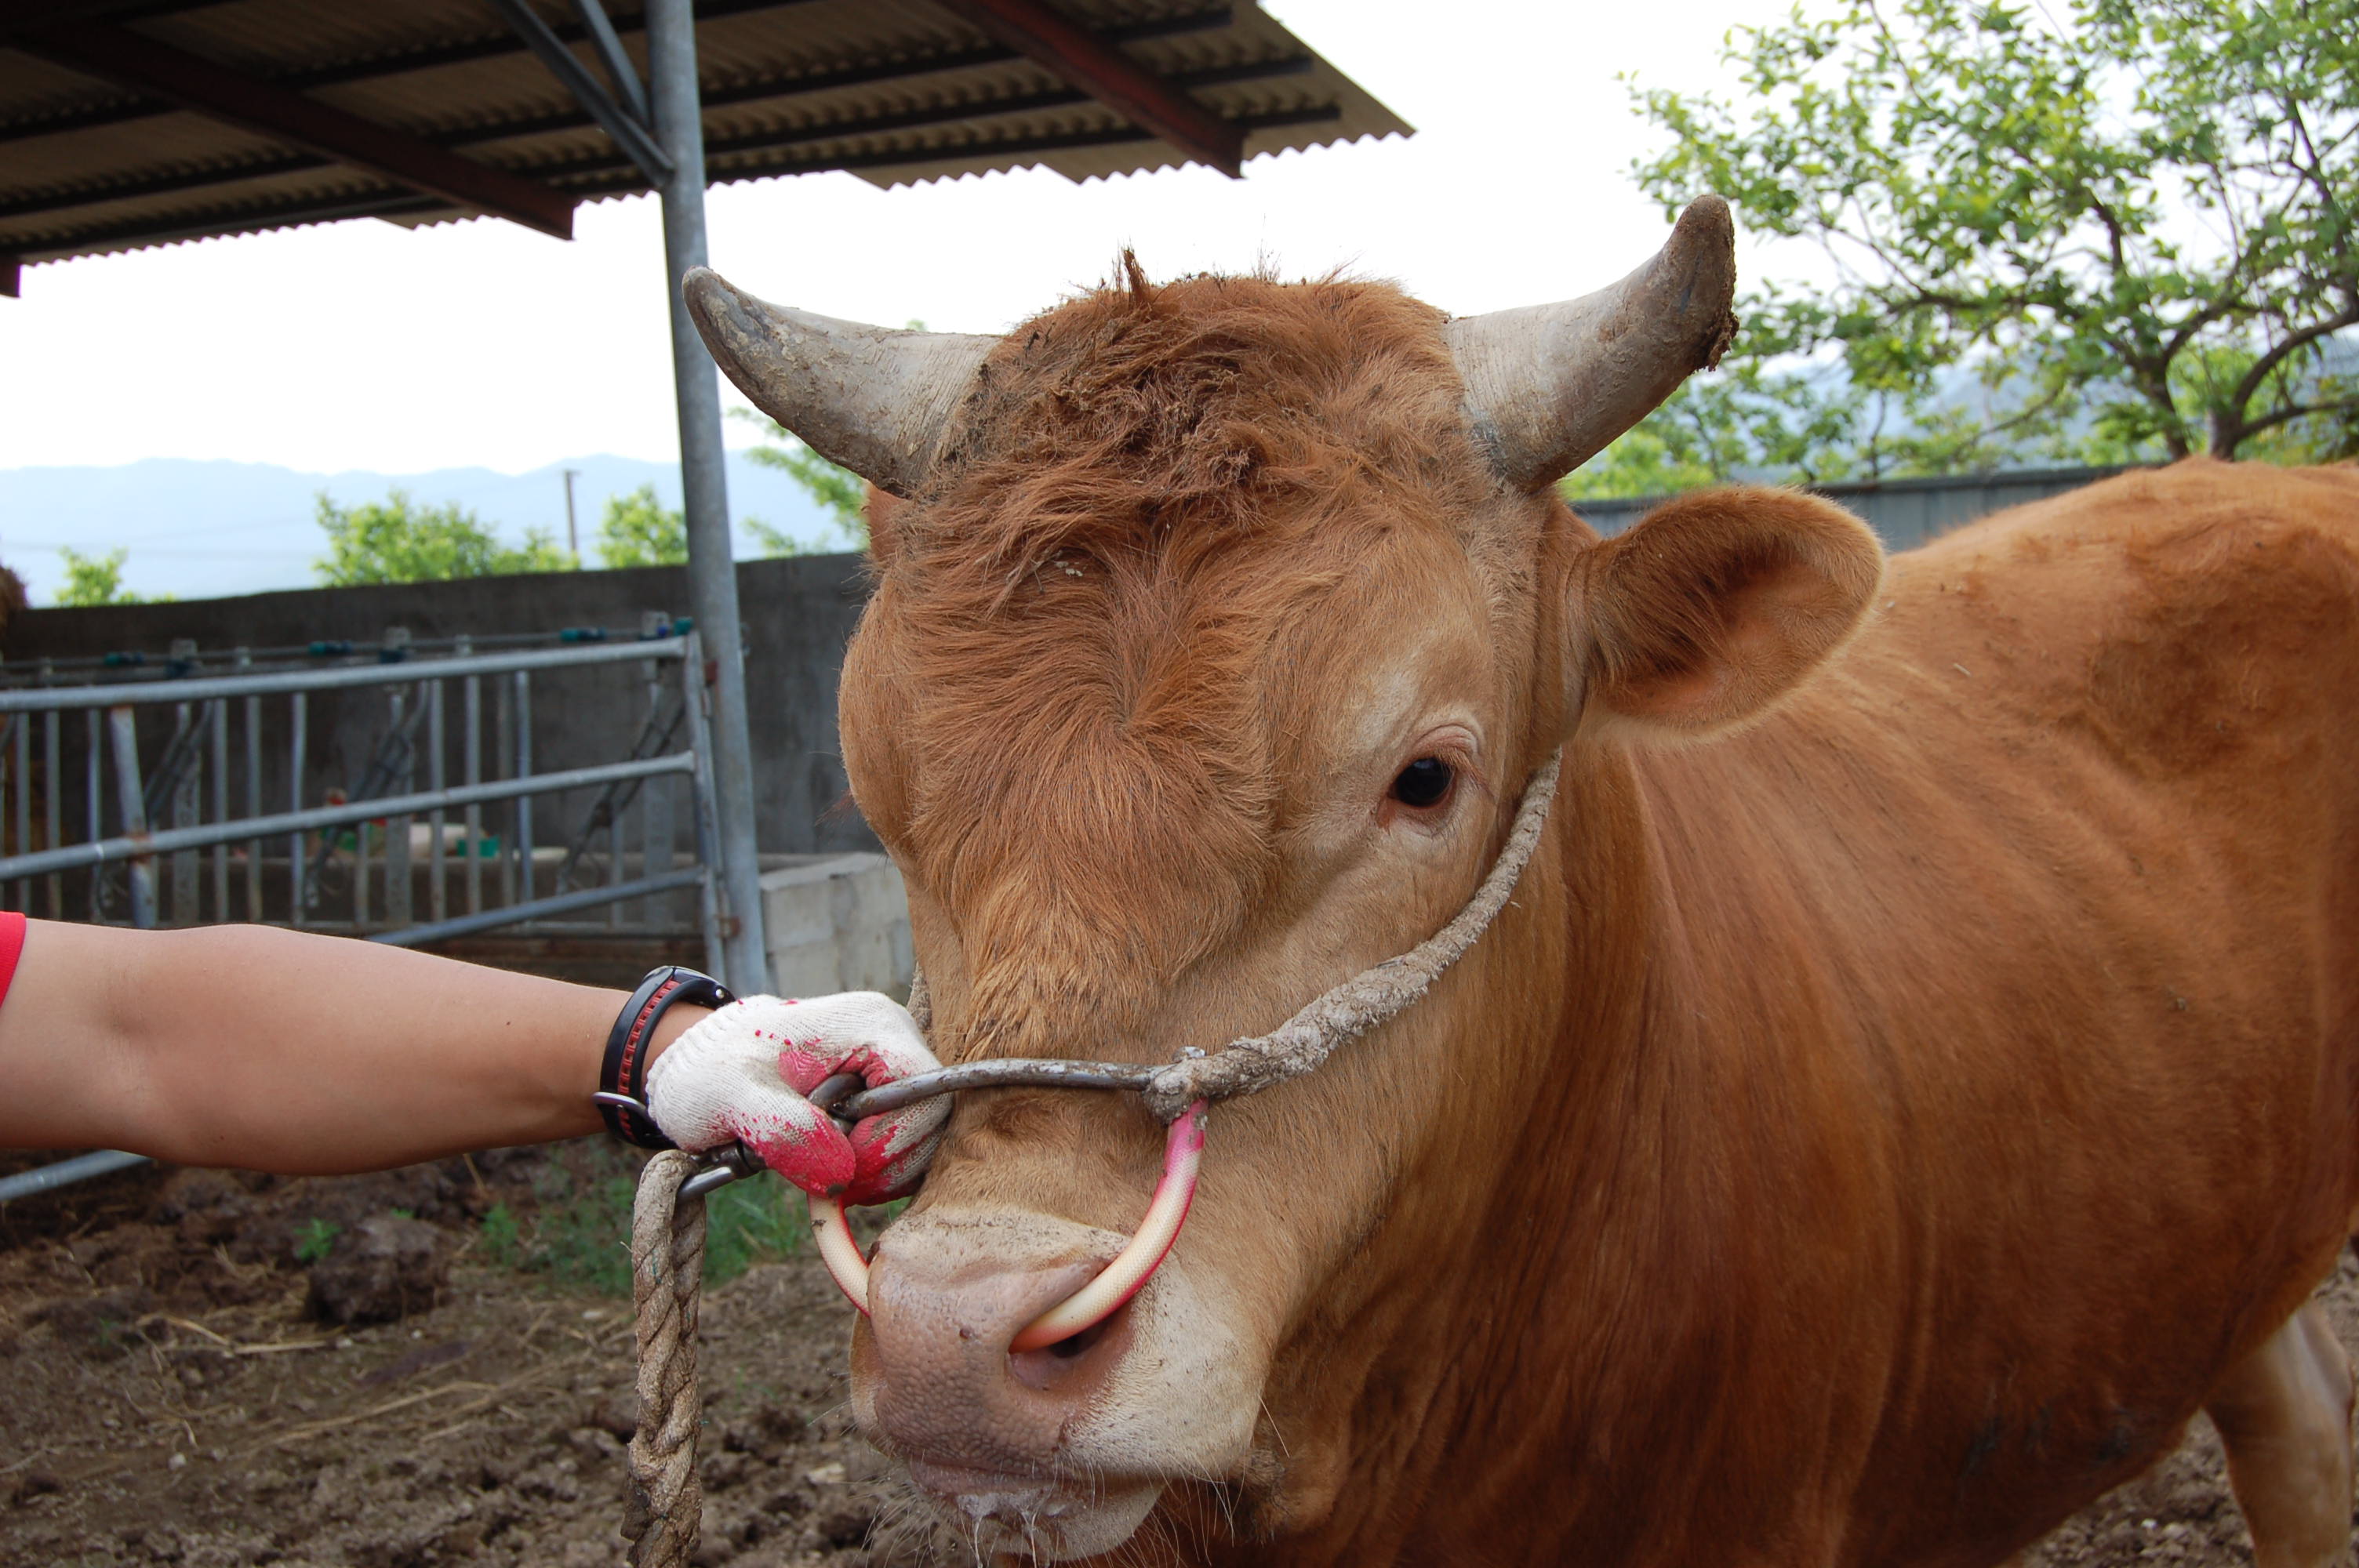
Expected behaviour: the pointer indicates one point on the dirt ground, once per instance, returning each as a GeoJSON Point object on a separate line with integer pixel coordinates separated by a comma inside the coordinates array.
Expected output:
{"type": "Point", "coordinates": [178, 1391]}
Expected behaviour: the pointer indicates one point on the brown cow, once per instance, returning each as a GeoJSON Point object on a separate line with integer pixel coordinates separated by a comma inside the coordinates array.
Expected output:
{"type": "Point", "coordinates": [1917, 1072]}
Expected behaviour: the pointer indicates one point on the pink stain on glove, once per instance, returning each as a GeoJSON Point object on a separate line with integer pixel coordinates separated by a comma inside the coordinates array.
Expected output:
{"type": "Point", "coordinates": [884, 1156]}
{"type": "Point", "coordinates": [744, 1072]}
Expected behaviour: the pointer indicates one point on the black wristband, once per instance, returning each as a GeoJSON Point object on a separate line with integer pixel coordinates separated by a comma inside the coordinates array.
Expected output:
{"type": "Point", "coordinates": [622, 1076]}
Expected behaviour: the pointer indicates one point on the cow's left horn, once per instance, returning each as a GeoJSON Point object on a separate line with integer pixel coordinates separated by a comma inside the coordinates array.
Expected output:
{"type": "Point", "coordinates": [872, 399]}
{"type": "Point", "coordinates": [1548, 385]}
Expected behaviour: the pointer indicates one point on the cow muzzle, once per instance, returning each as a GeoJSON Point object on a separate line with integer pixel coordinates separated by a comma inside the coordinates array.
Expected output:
{"type": "Point", "coordinates": [952, 1388]}
{"type": "Point", "coordinates": [1056, 1451]}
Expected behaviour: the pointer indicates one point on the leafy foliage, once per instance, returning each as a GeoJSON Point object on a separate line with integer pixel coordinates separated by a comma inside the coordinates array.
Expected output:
{"type": "Point", "coordinates": [638, 532]}
{"type": "Point", "coordinates": [400, 540]}
{"type": "Point", "coordinates": [315, 1238]}
{"type": "Point", "coordinates": [2133, 228]}
{"type": "Point", "coordinates": [580, 1234]}
{"type": "Point", "coordinates": [503, 1237]}
{"type": "Point", "coordinates": [98, 579]}
{"type": "Point", "coordinates": [839, 491]}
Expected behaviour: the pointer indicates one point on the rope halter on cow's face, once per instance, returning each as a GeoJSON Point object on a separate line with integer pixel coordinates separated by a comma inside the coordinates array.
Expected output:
{"type": "Point", "coordinates": [1546, 388]}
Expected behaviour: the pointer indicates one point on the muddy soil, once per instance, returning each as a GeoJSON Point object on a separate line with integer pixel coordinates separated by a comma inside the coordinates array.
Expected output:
{"type": "Point", "coordinates": [174, 1395]}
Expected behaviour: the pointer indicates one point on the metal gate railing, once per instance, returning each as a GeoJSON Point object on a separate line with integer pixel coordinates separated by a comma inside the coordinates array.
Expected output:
{"type": "Point", "coordinates": [356, 863]}
{"type": "Point", "coordinates": [156, 874]}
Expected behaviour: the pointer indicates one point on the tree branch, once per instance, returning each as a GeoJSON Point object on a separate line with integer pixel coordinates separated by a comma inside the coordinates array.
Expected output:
{"type": "Point", "coordinates": [2246, 429]}
{"type": "Point", "coordinates": [2294, 343]}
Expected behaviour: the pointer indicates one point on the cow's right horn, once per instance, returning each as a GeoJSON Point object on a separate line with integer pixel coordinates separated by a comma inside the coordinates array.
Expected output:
{"type": "Point", "coordinates": [872, 399]}
{"type": "Point", "coordinates": [1548, 385]}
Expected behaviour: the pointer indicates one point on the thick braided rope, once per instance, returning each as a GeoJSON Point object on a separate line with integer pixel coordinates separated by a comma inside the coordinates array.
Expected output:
{"type": "Point", "coordinates": [1369, 998]}
{"type": "Point", "coordinates": [667, 1273]}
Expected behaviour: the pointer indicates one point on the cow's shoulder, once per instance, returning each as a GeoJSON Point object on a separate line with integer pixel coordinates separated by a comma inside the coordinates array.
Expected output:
{"type": "Point", "coordinates": [2177, 615]}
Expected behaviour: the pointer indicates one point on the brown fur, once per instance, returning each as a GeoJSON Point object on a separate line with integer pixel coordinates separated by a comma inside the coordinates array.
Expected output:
{"type": "Point", "coordinates": [1866, 1137]}
{"type": "Point", "coordinates": [1076, 597]}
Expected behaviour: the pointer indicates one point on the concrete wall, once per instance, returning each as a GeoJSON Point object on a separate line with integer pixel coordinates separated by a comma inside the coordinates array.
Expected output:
{"type": "Point", "coordinates": [838, 922]}
{"type": "Point", "coordinates": [1904, 512]}
{"type": "Point", "coordinates": [797, 612]}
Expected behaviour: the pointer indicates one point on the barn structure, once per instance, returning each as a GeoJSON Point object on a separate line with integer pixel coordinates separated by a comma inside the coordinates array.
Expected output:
{"type": "Point", "coordinates": [128, 124]}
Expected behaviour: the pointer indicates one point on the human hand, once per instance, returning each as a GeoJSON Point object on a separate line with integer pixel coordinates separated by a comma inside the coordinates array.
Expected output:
{"type": "Point", "coordinates": [743, 1071]}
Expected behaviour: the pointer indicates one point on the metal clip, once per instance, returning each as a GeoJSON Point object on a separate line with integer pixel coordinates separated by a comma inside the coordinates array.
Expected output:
{"type": "Point", "coordinates": [719, 1167]}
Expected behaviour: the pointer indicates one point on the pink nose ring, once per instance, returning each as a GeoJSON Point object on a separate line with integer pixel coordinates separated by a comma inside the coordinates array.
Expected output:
{"type": "Point", "coordinates": [1184, 1152]}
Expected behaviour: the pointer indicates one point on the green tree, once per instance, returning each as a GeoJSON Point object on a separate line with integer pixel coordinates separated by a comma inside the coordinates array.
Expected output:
{"type": "Point", "coordinates": [98, 579]}
{"type": "Point", "coordinates": [841, 493]}
{"type": "Point", "coordinates": [638, 532]}
{"type": "Point", "coordinates": [400, 540]}
{"type": "Point", "coordinates": [2132, 228]}
{"type": "Point", "coordinates": [1751, 419]}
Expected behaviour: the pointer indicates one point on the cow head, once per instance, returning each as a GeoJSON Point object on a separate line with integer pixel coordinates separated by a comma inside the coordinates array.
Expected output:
{"type": "Point", "coordinates": [1222, 626]}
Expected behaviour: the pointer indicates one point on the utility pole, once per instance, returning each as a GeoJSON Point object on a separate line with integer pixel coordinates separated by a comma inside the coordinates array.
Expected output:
{"type": "Point", "coordinates": [572, 534]}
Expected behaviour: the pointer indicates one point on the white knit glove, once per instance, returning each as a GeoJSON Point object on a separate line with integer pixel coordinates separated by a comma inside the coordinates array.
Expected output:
{"type": "Point", "coordinates": [742, 1071]}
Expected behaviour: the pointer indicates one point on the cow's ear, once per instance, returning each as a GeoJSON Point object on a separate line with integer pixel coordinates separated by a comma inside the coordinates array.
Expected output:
{"type": "Point", "coordinates": [1717, 604]}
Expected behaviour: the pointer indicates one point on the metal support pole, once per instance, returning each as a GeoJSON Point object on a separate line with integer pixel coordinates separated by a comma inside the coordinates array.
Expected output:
{"type": "Point", "coordinates": [472, 772]}
{"type": "Point", "coordinates": [217, 714]}
{"type": "Point", "coordinates": [24, 783]}
{"type": "Point", "coordinates": [91, 807]}
{"type": "Point", "coordinates": [711, 570]}
{"type": "Point", "coordinates": [253, 796]}
{"type": "Point", "coordinates": [121, 725]}
{"type": "Point", "coordinates": [298, 876]}
{"type": "Point", "coordinates": [693, 691]}
{"type": "Point", "coordinates": [53, 793]}
{"type": "Point", "coordinates": [437, 897]}
{"type": "Point", "coordinates": [523, 768]}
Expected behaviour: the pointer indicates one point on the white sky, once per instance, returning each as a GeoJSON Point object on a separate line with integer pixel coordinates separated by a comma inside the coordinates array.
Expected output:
{"type": "Point", "coordinates": [364, 345]}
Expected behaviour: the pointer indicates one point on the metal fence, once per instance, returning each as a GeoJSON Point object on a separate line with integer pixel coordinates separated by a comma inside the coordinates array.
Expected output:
{"type": "Point", "coordinates": [1904, 512]}
{"type": "Point", "coordinates": [150, 803]}
{"type": "Point", "coordinates": [178, 832]}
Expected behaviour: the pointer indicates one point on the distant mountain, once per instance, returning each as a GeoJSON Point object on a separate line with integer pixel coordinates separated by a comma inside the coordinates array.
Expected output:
{"type": "Point", "coordinates": [201, 530]}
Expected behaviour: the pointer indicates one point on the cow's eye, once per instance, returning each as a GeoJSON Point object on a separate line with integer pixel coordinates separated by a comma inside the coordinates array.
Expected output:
{"type": "Point", "coordinates": [1425, 782]}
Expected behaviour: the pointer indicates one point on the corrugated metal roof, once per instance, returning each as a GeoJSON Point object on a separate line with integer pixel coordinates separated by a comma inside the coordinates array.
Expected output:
{"type": "Point", "coordinates": [896, 91]}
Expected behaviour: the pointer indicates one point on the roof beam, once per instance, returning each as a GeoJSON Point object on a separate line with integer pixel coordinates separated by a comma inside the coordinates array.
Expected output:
{"type": "Point", "coordinates": [131, 60]}
{"type": "Point", "coordinates": [379, 68]}
{"type": "Point", "coordinates": [977, 151]}
{"type": "Point", "coordinates": [12, 277]}
{"type": "Point", "coordinates": [977, 114]}
{"type": "Point", "coordinates": [620, 71]}
{"type": "Point", "coordinates": [632, 130]}
{"type": "Point", "coordinates": [809, 131]}
{"type": "Point", "coordinates": [21, 14]}
{"type": "Point", "coordinates": [258, 219]}
{"type": "Point", "coordinates": [1106, 74]}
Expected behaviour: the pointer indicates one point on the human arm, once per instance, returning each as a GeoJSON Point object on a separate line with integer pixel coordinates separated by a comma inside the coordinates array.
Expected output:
{"type": "Point", "coordinates": [289, 1050]}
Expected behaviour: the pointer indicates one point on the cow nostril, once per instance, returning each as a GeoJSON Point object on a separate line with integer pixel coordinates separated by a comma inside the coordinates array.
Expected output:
{"type": "Point", "coordinates": [1075, 1363]}
{"type": "Point", "coordinates": [1076, 1345]}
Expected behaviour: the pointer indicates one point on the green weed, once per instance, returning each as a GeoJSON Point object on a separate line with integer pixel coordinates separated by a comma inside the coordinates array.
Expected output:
{"type": "Point", "coordinates": [315, 1238]}
{"type": "Point", "coordinates": [503, 1238]}
{"type": "Point", "coordinates": [577, 1231]}
{"type": "Point", "coordinates": [583, 1237]}
{"type": "Point", "coordinates": [579, 1234]}
{"type": "Point", "coordinates": [748, 1222]}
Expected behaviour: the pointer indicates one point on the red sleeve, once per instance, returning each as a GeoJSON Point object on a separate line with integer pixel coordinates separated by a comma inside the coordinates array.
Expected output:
{"type": "Point", "coordinates": [12, 945]}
